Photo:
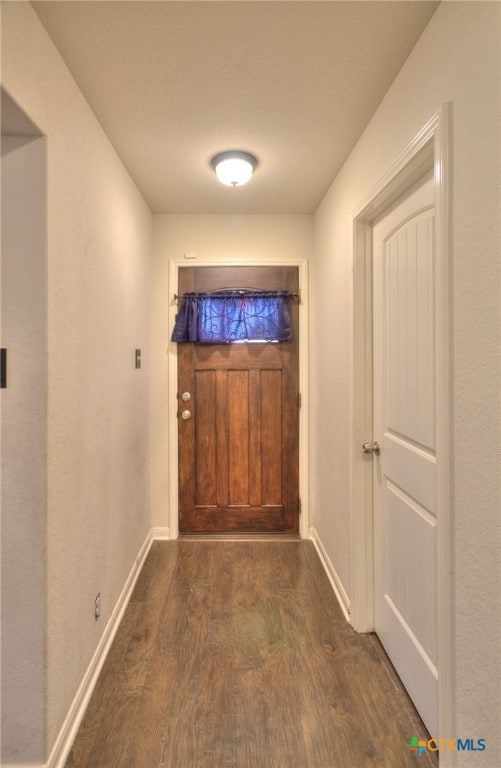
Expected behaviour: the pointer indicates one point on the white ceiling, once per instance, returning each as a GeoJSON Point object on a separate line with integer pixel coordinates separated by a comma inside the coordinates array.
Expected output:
{"type": "Point", "coordinates": [174, 83]}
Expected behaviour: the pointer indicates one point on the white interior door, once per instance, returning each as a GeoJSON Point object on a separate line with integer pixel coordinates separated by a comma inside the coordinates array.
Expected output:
{"type": "Point", "coordinates": [405, 509]}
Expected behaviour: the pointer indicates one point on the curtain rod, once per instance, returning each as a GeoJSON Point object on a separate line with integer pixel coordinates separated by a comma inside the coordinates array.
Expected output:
{"type": "Point", "coordinates": [292, 294]}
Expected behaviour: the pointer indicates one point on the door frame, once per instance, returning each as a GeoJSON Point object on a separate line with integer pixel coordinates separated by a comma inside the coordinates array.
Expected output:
{"type": "Point", "coordinates": [302, 266]}
{"type": "Point", "coordinates": [428, 150]}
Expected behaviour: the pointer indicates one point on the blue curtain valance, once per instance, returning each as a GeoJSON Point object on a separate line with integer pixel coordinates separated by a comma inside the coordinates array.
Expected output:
{"type": "Point", "coordinates": [225, 317]}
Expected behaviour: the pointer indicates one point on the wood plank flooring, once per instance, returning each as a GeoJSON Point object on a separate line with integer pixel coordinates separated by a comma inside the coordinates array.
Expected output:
{"type": "Point", "coordinates": [235, 654]}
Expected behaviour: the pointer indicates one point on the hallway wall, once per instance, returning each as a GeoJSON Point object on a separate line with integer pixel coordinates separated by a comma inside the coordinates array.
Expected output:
{"type": "Point", "coordinates": [209, 237]}
{"type": "Point", "coordinates": [456, 60]}
{"type": "Point", "coordinates": [23, 438]}
{"type": "Point", "coordinates": [98, 265]}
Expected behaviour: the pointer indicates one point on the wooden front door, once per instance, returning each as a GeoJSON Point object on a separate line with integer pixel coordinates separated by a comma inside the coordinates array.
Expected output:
{"type": "Point", "coordinates": [239, 448]}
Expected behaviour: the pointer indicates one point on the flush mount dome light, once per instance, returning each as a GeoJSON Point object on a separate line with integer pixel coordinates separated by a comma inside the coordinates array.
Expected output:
{"type": "Point", "coordinates": [234, 168]}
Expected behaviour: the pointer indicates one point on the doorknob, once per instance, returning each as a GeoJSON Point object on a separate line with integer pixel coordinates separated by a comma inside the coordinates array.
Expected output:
{"type": "Point", "coordinates": [185, 415]}
{"type": "Point", "coordinates": [186, 396]}
{"type": "Point", "coordinates": [371, 448]}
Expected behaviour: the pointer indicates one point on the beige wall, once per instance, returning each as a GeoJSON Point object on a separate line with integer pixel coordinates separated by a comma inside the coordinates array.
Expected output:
{"type": "Point", "coordinates": [98, 264]}
{"type": "Point", "coordinates": [211, 237]}
{"type": "Point", "coordinates": [456, 60]}
{"type": "Point", "coordinates": [23, 443]}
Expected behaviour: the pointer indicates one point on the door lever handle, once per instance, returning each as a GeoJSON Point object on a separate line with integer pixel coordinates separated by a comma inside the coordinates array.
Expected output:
{"type": "Point", "coordinates": [371, 448]}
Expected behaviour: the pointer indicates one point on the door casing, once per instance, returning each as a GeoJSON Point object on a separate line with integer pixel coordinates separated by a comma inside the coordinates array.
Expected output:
{"type": "Point", "coordinates": [302, 265]}
{"type": "Point", "coordinates": [429, 149]}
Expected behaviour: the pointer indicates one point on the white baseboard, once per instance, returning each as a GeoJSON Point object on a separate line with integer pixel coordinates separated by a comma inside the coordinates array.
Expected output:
{"type": "Point", "coordinates": [162, 534]}
{"type": "Point", "coordinates": [332, 575]}
{"type": "Point", "coordinates": [77, 709]}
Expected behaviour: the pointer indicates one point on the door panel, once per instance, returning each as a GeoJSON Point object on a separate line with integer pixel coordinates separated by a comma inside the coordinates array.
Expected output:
{"type": "Point", "coordinates": [206, 465]}
{"type": "Point", "coordinates": [404, 426]}
{"type": "Point", "coordinates": [239, 452]}
{"type": "Point", "coordinates": [271, 443]}
{"type": "Point", "coordinates": [408, 267]}
{"type": "Point", "coordinates": [238, 437]}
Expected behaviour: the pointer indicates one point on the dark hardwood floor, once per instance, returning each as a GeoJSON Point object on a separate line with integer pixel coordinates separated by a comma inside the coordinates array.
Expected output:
{"type": "Point", "coordinates": [235, 654]}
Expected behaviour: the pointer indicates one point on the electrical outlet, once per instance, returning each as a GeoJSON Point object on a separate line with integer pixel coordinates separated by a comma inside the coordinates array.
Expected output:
{"type": "Point", "coordinates": [97, 606]}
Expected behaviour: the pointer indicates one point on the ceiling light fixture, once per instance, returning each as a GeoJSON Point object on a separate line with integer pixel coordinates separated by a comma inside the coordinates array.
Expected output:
{"type": "Point", "coordinates": [234, 168]}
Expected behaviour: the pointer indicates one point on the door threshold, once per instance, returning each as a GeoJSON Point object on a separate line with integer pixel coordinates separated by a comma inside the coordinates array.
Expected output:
{"type": "Point", "coordinates": [239, 537]}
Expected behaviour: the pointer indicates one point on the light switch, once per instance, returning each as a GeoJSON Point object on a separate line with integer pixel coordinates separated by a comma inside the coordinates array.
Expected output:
{"type": "Point", "coordinates": [3, 368]}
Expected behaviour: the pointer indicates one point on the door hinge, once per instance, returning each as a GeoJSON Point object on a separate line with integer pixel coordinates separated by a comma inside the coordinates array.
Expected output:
{"type": "Point", "coordinates": [299, 506]}
{"type": "Point", "coordinates": [299, 399]}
